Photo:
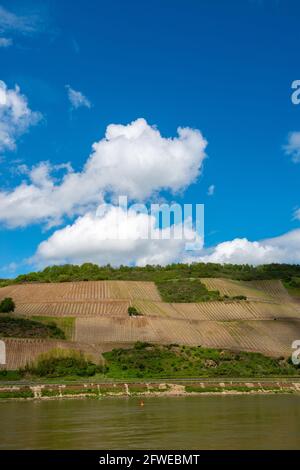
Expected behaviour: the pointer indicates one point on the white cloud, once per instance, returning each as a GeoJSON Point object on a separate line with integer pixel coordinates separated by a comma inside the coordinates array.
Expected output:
{"type": "Point", "coordinates": [211, 190]}
{"type": "Point", "coordinates": [15, 116]}
{"type": "Point", "coordinates": [133, 160]}
{"type": "Point", "coordinates": [116, 237]}
{"type": "Point", "coordinates": [297, 214]}
{"type": "Point", "coordinates": [292, 148]}
{"type": "Point", "coordinates": [5, 42]}
{"type": "Point", "coordinates": [282, 249]}
{"type": "Point", "coordinates": [94, 238]}
{"type": "Point", "coordinates": [10, 22]}
{"type": "Point", "coordinates": [77, 99]}
{"type": "Point", "coordinates": [40, 199]}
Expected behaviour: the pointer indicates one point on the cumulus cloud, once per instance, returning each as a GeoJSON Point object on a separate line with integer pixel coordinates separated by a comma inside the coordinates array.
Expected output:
{"type": "Point", "coordinates": [116, 237]}
{"type": "Point", "coordinates": [15, 116]}
{"type": "Point", "coordinates": [41, 199]}
{"type": "Point", "coordinates": [77, 99]}
{"type": "Point", "coordinates": [282, 249]}
{"type": "Point", "coordinates": [132, 160]}
{"type": "Point", "coordinates": [5, 42]}
{"type": "Point", "coordinates": [292, 148]}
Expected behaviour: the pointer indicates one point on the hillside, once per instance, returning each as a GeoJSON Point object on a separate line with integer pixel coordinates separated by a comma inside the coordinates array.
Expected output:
{"type": "Point", "coordinates": [268, 321]}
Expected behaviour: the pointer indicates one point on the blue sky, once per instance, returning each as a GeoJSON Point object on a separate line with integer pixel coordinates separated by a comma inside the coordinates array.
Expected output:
{"type": "Point", "coordinates": [224, 68]}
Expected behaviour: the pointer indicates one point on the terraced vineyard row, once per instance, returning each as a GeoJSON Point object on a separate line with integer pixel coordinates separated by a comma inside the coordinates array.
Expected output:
{"type": "Point", "coordinates": [80, 291]}
{"type": "Point", "coordinates": [160, 309]}
{"type": "Point", "coordinates": [120, 330]}
{"type": "Point", "coordinates": [273, 288]}
{"type": "Point", "coordinates": [268, 337]}
{"type": "Point", "coordinates": [77, 309]}
{"type": "Point", "coordinates": [31, 293]}
{"type": "Point", "coordinates": [234, 288]}
{"type": "Point", "coordinates": [100, 330]}
{"type": "Point", "coordinates": [218, 310]}
{"type": "Point", "coordinates": [134, 290]}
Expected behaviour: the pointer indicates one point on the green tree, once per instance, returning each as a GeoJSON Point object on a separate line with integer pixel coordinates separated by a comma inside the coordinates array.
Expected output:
{"type": "Point", "coordinates": [7, 305]}
{"type": "Point", "coordinates": [133, 312]}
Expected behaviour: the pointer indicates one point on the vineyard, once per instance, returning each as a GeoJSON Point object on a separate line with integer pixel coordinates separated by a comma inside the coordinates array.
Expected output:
{"type": "Point", "coordinates": [74, 309]}
{"type": "Point", "coordinates": [80, 291]}
{"type": "Point", "coordinates": [267, 321]}
{"type": "Point", "coordinates": [273, 288]}
{"type": "Point", "coordinates": [233, 288]}
{"type": "Point", "coordinates": [228, 310]}
{"type": "Point", "coordinates": [268, 337]}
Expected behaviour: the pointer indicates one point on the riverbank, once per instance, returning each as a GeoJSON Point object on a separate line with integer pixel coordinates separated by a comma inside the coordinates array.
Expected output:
{"type": "Point", "coordinates": [150, 389]}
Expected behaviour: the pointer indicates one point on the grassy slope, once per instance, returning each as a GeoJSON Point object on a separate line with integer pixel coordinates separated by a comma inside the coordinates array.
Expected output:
{"type": "Point", "coordinates": [292, 285]}
{"type": "Point", "coordinates": [150, 361]}
{"type": "Point", "coordinates": [293, 291]}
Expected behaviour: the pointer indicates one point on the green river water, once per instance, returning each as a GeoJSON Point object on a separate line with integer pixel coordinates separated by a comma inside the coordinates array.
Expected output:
{"type": "Point", "coordinates": [205, 422]}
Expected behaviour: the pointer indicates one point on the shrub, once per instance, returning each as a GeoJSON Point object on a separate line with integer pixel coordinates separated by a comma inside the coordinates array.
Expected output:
{"type": "Point", "coordinates": [133, 312]}
{"type": "Point", "coordinates": [10, 375]}
{"type": "Point", "coordinates": [17, 394]}
{"type": "Point", "coordinates": [7, 305]}
{"type": "Point", "coordinates": [62, 363]}
{"type": "Point", "coordinates": [140, 345]}
{"type": "Point", "coordinates": [185, 290]}
{"type": "Point", "coordinates": [146, 360]}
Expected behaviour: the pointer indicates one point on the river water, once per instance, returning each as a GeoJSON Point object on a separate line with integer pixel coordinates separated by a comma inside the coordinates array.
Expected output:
{"type": "Point", "coordinates": [205, 422]}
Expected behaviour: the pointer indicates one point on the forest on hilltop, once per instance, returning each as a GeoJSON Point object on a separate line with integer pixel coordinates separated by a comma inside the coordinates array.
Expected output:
{"type": "Point", "coordinates": [92, 272]}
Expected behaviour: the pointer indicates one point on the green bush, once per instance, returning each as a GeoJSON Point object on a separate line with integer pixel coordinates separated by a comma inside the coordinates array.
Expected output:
{"type": "Point", "coordinates": [146, 360]}
{"type": "Point", "coordinates": [17, 394]}
{"type": "Point", "coordinates": [293, 282]}
{"type": "Point", "coordinates": [80, 391]}
{"type": "Point", "coordinates": [139, 345]}
{"type": "Point", "coordinates": [7, 375]}
{"type": "Point", "coordinates": [61, 363]}
{"type": "Point", "coordinates": [133, 312]}
{"type": "Point", "coordinates": [185, 290]}
{"type": "Point", "coordinates": [7, 305]}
